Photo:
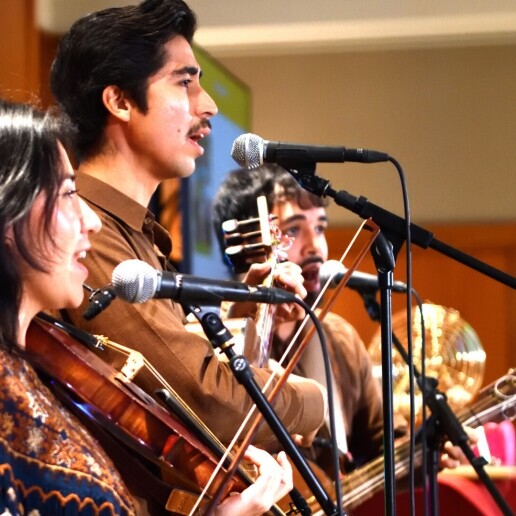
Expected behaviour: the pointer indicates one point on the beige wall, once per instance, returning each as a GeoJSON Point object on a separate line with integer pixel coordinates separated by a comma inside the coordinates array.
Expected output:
{"type": "Point", "coordinates": [447, 115]}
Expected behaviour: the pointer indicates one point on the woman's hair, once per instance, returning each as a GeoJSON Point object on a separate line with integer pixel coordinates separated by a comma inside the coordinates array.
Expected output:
{"type": "Point", "coordinates": [30, 164]}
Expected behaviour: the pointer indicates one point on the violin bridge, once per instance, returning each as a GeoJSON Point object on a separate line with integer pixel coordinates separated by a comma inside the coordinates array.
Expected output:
{"type": "Point", "coordinates": [133, 365]}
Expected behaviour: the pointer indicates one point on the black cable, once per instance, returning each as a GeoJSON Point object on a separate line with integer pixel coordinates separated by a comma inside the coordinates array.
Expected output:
{"type": "Point", "coordinates": [410, 362]}
{"type": "Point", "coordinates": [331, 408]}
{"type": "Point", "coordinates": [423, 432]}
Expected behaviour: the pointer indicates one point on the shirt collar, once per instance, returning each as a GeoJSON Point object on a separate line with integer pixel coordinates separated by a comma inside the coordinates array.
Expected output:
{"type": "Point", "coordinates": [113, 201]}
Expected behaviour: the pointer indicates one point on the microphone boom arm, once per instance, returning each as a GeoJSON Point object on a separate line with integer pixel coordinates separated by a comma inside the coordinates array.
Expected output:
{"type": "Point", "coordinates": [394, 225]}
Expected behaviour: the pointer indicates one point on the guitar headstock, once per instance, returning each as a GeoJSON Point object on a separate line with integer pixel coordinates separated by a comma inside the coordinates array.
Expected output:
{"type": "Point", "coordinates": [254, 240]}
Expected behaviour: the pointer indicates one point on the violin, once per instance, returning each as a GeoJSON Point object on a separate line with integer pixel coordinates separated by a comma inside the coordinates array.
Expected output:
{"type": "Point", "coordinates": [129, 414]}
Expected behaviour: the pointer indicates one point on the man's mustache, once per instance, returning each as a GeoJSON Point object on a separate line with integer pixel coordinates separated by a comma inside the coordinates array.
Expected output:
{"type": "Point", "coordinates": [201, 125]}
{"type": "Point", "coordinates": [310, 260]}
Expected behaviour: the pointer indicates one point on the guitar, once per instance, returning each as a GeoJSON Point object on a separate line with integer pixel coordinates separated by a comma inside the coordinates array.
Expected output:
{"type": "Point", "coordinates": [494, 403]}
{"type": "Point", "coordinates": [255, 241]}
{"type": "Point", "coordinates": [251, 241]}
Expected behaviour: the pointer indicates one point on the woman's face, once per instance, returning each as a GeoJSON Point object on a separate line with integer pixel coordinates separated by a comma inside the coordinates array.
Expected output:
{"type": "Point", "coordinates": [60, 285]}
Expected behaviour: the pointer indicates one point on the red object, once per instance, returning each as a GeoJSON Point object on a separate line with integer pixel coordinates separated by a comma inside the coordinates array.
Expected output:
{"type": "Point", "coordinates": [457, 495]}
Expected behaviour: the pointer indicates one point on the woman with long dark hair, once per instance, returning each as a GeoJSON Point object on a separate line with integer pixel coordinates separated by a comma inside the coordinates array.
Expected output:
{"type": "Point", "coordinates": [49, 463]}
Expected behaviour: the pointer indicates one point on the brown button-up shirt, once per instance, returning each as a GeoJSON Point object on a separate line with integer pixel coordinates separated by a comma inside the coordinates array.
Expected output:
{"type": "Point", "coordinates": [156, 328]}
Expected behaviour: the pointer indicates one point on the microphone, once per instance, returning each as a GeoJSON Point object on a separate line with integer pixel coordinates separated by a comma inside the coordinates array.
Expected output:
{"type": "Point", "coordinates": [360, 281]}
{"type": "Point", "coordinates": [136, 281]}
{"type": "Point", "coordinates": [251, 151]}
{"type": "Point", "coordinates": [99, 300]}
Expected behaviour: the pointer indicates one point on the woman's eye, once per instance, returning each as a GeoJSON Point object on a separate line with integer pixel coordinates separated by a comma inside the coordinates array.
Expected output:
{"type": "Point", "coordinates": [70, 193]}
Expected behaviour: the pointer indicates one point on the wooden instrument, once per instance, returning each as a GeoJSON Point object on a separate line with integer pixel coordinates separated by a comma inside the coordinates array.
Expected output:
{"type": "Point", "coordinates": [495, 402]}
{"type": "Point", "coordinates": [256, 241]}
{"type": "Point", "coordinates": [185, 458]}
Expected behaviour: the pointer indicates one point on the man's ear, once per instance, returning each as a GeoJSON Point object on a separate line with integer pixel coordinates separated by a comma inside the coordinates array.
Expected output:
{"type": "Point", "coordinates": [117, 102]}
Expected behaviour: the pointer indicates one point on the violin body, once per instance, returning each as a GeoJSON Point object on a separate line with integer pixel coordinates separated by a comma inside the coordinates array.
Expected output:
{"type": "Point", "coordinates": [131, 415]}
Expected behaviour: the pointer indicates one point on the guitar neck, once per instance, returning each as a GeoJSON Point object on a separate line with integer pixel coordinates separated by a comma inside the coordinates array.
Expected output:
{"type": "Point", "coordinates": [494, 403]}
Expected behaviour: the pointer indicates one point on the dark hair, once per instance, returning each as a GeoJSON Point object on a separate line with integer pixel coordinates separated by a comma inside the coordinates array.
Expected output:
{"type": "Point", "coordinates": [30, 163]}
{"type": "Point", "coordinates": [236, 197]}
{"type": "Point", "coordinates": [121, 46]}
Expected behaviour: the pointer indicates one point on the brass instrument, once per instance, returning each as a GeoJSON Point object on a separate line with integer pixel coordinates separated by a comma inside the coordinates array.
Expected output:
{"type": "Point", "coordinates": [454, 355]}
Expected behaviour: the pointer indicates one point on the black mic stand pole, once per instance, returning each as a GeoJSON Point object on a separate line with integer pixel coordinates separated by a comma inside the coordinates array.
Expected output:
{"type": "Point", "coordinates": [219, 336]}
{"type": "Point", "coordinates": [445, 422]}
{"type": "Point", "coordinates": [383, 257]}
{"type": "Point", "coordinates": [395, 228]}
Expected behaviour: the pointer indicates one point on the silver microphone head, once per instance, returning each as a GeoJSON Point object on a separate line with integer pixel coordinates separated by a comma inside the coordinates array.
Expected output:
{"type": "Point", "coordinates": [135, 281]}
{"type": "Point", "coordinates": [331, 269]}
{"type": "Point", "coordinates": [247, 150]}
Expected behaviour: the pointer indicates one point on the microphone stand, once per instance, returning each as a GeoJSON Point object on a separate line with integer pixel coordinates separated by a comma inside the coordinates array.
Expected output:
{"type": "Point", "coordinates": [443, 422]}
{"type": "Point", "coordinates": [394, 227]}
{"type": "Point", "coordinates": [220, 337]}
{"type": "Point", "coordinates": [383, 255]}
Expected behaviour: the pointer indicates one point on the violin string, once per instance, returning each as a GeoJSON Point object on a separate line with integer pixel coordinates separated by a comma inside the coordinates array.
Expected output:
{"type": "Point", "coordinates": [208, 433]}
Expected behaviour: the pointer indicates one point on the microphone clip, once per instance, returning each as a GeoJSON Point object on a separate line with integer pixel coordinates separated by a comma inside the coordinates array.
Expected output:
{"type": "Point", "coordinates": [304, 173]}
{"type": "Point", "coordinates": [98, 301]}
{"type": "Point", "coordinates": [314, 184]}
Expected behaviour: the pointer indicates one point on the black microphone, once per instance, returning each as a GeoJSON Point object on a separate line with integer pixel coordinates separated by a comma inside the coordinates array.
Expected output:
{"type": "Point", "coordinates": [99, 300]}
{"type": "Point", "coordinates": [251, 151]}
{"type": "Point", "coordinates": [360, 281]}
{"type": "Point", "coordinates": [136, 282]}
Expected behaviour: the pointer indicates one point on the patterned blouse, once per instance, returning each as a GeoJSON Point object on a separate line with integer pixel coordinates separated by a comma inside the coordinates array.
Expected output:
{"type": "Point", "coordinates": [49, 463]}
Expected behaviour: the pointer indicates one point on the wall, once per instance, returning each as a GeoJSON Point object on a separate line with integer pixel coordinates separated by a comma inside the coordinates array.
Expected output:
{"type": "Point", "coordinates": [447, 115]}
{"type": "Point", "coordinates": [486, 304]}
{"type": "Point", "coordinates": [19, 50]}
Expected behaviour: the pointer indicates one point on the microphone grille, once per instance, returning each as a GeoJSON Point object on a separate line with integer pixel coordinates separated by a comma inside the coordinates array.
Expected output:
{"type": "Point", "coordinates": [135, 281]}
{"type": "Point", "coordinates": [247, 150]}
{"type": "Point", "coordinates": [331, 269]}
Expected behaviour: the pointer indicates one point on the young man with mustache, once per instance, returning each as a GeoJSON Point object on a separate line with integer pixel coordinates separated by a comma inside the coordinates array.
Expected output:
{"type": "Point", "coordinates": [128, 79]}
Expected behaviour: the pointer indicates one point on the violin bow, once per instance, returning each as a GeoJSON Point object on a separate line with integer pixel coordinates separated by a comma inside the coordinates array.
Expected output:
{"type": "Point", "coordinates": [238, 455]}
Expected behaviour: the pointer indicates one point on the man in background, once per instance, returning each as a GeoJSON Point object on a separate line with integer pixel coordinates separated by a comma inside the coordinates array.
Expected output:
{"type": "Point", "coordinates": [302, 217]}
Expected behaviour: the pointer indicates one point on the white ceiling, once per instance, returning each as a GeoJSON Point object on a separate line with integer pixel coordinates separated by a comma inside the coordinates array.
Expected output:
{"type": "Point", "coordinates": [261, 27]}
